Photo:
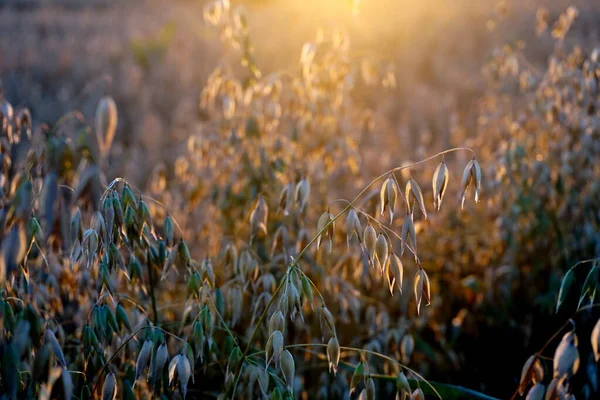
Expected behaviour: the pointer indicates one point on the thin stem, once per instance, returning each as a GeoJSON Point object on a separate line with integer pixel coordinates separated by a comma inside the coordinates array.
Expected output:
{"type": "Point", "coordinates": [366, 188]}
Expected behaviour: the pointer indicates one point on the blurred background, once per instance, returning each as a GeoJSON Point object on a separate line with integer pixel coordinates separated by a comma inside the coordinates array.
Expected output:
{"type": "Point", "coordinates": [463, 72]}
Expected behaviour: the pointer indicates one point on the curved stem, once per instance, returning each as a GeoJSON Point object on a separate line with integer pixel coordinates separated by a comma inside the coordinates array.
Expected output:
{"type": "Point", "coordinates": [366, 188]}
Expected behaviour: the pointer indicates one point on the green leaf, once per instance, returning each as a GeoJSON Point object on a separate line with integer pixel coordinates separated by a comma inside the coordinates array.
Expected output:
{"type": "Point", "coordinates": [589, 286]}
{"type": "Point", "coordinates": [565, 286]}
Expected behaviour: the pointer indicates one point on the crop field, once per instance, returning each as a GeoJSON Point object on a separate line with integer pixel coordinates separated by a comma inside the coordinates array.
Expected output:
{"type": "Point", "coordinates": [285, 199]}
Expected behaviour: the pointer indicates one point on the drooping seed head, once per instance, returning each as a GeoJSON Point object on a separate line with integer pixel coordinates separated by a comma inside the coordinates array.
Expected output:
{"type": "Point", "coordinates": [258, 219]}
{"type": "Point", "coordinates": [370, 240]}
{"type": "Point", "coordinates": [381, 251]}
{"type": "Point", "coordinates": [413, 192]}
{"type": "Point", "coordinates": [408, 232]}
{"type": "Point", "coordinates": [471, 173]}
{"type": "Point", "coordinates": [566, 356]}
{"type": "Point", "coordinates": [388, 196]}
{"type": "Point", "coordinates": [333, 354]}
{"type": "Point", "coordinates": [325, 229]}
{"type": "Point", "coordinates": [353, 227]}
{"type": "Point", "coordinates": [302, 193]}
{"type": "Point", "coordinates": [288, 368]}
{"type": "Point", "coordinates": [109, 389]}
{"type": "Point", "coordinates": [106, 123]}
{"type": "Point", "coordinates": [396, 269]}
{"type": "Point", "coordinates": [439, 182]}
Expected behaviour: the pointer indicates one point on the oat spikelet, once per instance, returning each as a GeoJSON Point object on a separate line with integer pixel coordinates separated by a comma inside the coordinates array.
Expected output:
{"type": "Point", "coordinates": [326, 227]}
{"type": "Point", "coordinates": [388, 195]}
{"type": "Point", "coordinates": [285, 199]}
{"type": "Point", "coordinates": [357, 376]}
{"type": "Point", "coordinates": [439, 182]}
{"type": "Point", "coordinates": [472, 172]}
{"type": "Point", "coordinates": [143, 358]}
{"type": "Point", "coordinates": [106, 123]}
{"type": "Point", "coordinates": [381, 252]}
{"type": "Point", "coordinates": [109, 389]}
{"type": "Point", "coordinates": [370, 389]}
{"type": "Point", "coordinates": [417, 394]}
{"type": "Point", "coordinates": [413, 192]}
{"type": "Point", "coordinates": [596, 340]}
{"type": "Point", "coordinates": [288, 369]}
{"type": "Point", "coordinates": [302, 193]}
{"type": "Point", "coordinates": [353, 227]}
{"type": "Point", "coordinates": [421, 288]}
{"type": "Point", "coordinates": [566, 356]}
{"type": "Point", "coordinates": [408, 232]}
{"type": "Point", "coordinates": [396, 269]}
{"type": "Point", "coordinates": [333, 354]}
{"type": "Point", "coordinates": [369, 240]}
{"type": "Point", "coordinates": [258, 219]}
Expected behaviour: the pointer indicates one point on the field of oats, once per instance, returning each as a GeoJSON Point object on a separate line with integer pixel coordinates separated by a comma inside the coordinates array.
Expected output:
{"type": "Point", "coordinates": [277, 199]}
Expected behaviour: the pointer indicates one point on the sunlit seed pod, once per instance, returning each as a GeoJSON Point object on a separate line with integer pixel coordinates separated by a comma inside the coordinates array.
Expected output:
{"type": "Point", "coordinates": [302, 193]}
{"type": "Point", "coordinates": [106, 123]}
{"type": "Point", "coordinates": [109, 389]}
{"type": "Point", "coordinates": [413, 193]}
{"type": "Point", "coordinates": [370, 389]}
{"type": "Point", "coordinates": [288, 368]}
{"type": "Point", "coordinates": [357, 376]}
{"type": "Point", "coordinates": [538, 372]}
{"type": "Point", "coordinates": [439, 183]}
{"type": "Point", "coordinates": [418, 394]}
{"type": "Point", "coordinates": [333, 354]}
{"type": "Point", "coordinates": [471, 173]}
{"type": "Point", "coordinates": [143, 358]}
{"type": "Point", "coordinates": [258, 219]}
{"type": "Point", "coordinates": [396, 269]}
{"type": "Point", "coordinates": [325, 228]}
{"type": "Point", "coordinates": [418, 289]}
{"type": "Point", "coordinates": [408, 232]}
{"type": "Point", "coordinates": [388, 196]}
{"type": "Point", "coordinates": [402, 385]}
{"type": "Point", "coordinates": [596, 340]}
{"type": "Point", "coordinates": [370, 240]}
{"type": "Point", "coordinates": [566, 356]}
{"type": "Point", "coordinates": [353, 227]}
{"type": "Point", "coordinates": [526, 374]}
{"type": "Point", "coordinates": [381, 251]}
{"type": "Point", "coordinates": [277, 322]}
